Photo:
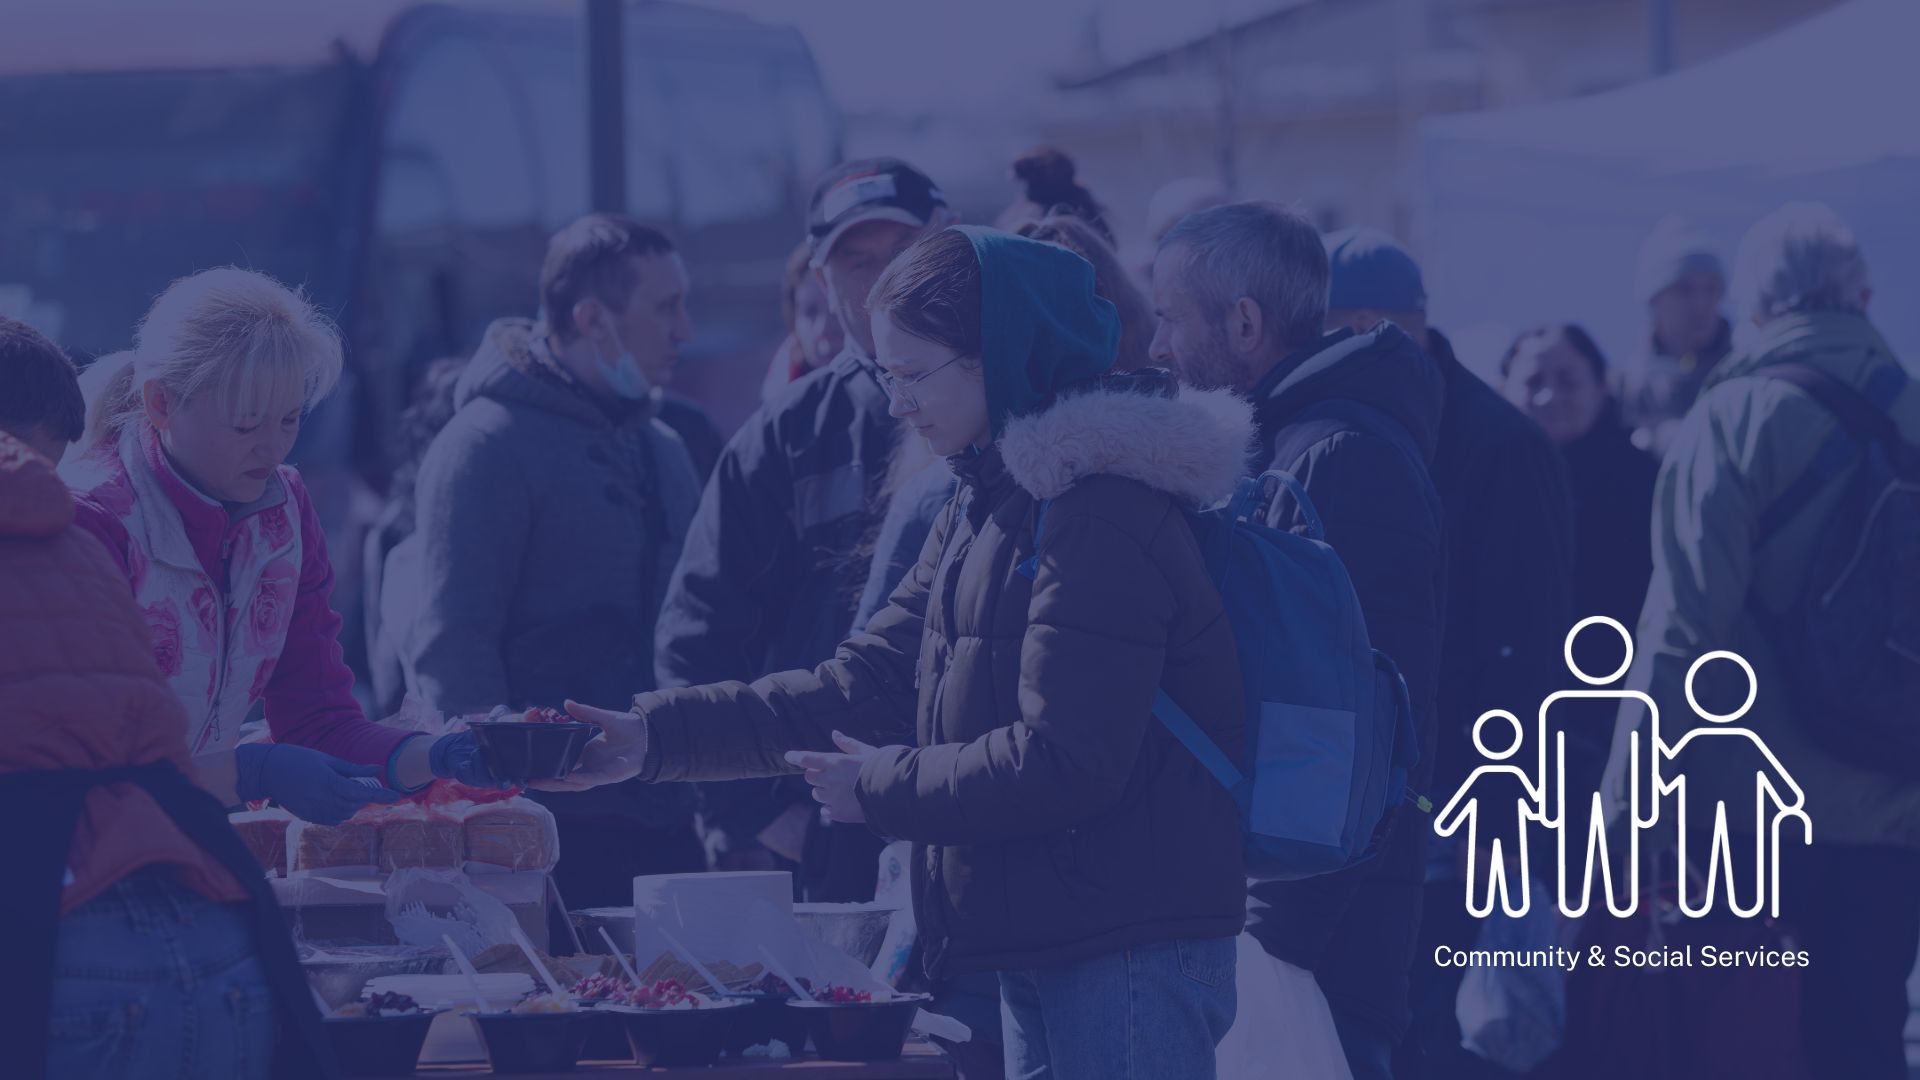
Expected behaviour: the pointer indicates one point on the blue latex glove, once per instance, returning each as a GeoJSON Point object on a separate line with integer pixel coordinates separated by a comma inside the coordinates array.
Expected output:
{"type": "Point", "coordinates": [457, 757]}
{"type": "Point", "coordinates": [311, 785]}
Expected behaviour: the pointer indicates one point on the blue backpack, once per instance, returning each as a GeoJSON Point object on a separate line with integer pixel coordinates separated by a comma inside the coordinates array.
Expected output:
{"type": "Point", "coordinates": [1329, 734]}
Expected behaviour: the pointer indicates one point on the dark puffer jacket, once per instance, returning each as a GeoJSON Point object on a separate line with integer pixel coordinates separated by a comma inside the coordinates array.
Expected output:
{"type": "Point", "coordinates": [1510, 554]}
{"type": "Point", "coordinates": [1054, 820]}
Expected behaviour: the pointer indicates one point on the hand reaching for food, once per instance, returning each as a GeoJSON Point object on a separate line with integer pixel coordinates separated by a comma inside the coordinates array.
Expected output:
{"type": "Point", "coordinates": [616, 754]}
{"type": "Point", "coordinates": [311, 785]}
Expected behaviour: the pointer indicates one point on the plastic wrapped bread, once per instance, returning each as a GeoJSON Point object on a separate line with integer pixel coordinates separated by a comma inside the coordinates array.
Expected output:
{"type": "Point", "coordinates": [265, 834]}
{"type": "Point", "coordinates": [417, 833]}
{"type": "Point", "coordinates": [517, 834]}
{"type": "Point", "coordinates": [433, 843]}
{"type": "Point", "coordinates": [351, 846]}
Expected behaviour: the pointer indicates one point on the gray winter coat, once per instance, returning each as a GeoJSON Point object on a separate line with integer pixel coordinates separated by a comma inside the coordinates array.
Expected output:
{"type": "Point", "coordinates": [547, 527]}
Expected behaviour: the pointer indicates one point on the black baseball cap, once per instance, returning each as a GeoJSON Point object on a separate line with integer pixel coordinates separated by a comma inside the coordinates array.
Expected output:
{"type": "Point", "coordinates": [868, 189]}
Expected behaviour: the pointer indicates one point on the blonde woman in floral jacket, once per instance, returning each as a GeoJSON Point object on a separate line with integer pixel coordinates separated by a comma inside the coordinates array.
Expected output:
{"type": "Point", "coordinates": [182, 477]}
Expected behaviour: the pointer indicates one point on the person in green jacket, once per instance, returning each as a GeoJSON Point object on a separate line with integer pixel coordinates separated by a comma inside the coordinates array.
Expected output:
{"type": "Point", "coordinates": [1853, 894]}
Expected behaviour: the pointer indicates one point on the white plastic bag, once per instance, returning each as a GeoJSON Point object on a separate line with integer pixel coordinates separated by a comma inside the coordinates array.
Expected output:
{"type": "Point", "coordinates": [1515, 1017]}
{"type": "Point", "coordinates": [894, 888]}
{"type": "Point", "coordinates": [1282, 1026]}
{"type": "Point", "coordinates": [423, 905]}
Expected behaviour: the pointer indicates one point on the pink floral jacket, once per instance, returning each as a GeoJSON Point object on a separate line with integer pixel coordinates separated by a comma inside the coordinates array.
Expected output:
{"type": "Point", "coordinates": [235, 598]}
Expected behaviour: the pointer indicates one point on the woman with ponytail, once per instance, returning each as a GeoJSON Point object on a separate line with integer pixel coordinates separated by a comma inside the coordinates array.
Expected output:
{"type": "Point", "coordinates": [1046, 178]}
{"type": "Point", "coordinates": [182, 476]}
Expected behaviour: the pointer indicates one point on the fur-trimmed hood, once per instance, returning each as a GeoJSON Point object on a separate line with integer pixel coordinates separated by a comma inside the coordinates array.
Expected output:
{"type": "Point", "coordinates": [1191, 444]}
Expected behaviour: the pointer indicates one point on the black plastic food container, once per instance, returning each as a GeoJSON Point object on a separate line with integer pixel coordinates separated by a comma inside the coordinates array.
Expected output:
{"type": "Point", "coordinates": [861, 1031]}
{"type": "Point", "coordinates": [606, 1040]}
{"type": "Point", "coordinates": [683, 1038]}
{"type": "Point", "coordinates": [533, 1042]}
{"type": "Point", "coordinates": [378, 1045]}
{"type": "Point", "coordinates": [516, 750]}
{"type": "Point", "coordinates": [769, 1019]}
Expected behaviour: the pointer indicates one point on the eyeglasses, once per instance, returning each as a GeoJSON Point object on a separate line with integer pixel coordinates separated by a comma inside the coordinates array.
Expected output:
{"type": "Point", "coordinates": [900, 390]}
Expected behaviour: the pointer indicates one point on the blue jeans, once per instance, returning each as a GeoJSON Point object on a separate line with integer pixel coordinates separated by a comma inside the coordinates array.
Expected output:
{"type": "Point", "coordinates": [1155, 1012]}
{"type": "Point", "coordinates": [152, 980]}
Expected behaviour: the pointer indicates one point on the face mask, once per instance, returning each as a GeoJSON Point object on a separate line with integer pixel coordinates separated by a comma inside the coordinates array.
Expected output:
{"type": "Point", "coordinates": [622, 374]}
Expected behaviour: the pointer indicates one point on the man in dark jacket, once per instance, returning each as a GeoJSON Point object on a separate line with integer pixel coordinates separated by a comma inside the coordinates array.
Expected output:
{"type": "Point", "coordinates": [1509, 523]}
{"type": "Point", "coordinates": [695, 428]}
{"type": "Point", "coordinates": [1241, 292]}
{"type": "Point", "coordinates": [551, 509]}
{"type": "Point", "coordinates": [772, 570]}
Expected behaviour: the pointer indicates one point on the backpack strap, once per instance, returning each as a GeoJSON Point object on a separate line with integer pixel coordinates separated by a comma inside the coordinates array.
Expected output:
{"type": "Point", "coordinates": [1182, 727]}
{"type": "Point", "coordinates": [1171, 716]}
{"type": "Point", "coordinates": [1302, 504]}
{"type": "Point", "coordinates": [1330, 416]}
{"type": "Point", "coordinates": [1861, 423]}
{"type": "Point", "coordinates": [1864, 419]}
{"type": "Point", "coordinates": [1030, 566]}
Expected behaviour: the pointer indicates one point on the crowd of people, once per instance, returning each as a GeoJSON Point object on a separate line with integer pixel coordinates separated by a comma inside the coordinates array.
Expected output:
{"type": "Point", "coordinates": [929, 592]}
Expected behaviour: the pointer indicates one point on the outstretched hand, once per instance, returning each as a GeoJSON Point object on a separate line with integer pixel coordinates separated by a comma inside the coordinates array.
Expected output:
{"type": "Point", "coordinates": [836, 777]}
{"type": "Point", "coordinates": [616, 754]}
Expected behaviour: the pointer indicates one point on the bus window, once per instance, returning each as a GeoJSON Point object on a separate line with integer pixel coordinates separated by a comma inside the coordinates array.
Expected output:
{"type": "Point", "coordinates": [458, 117]}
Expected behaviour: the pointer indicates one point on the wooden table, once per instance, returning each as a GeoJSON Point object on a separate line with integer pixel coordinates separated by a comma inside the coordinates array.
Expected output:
{"type": "Point", "coordinates": [922, 1061]}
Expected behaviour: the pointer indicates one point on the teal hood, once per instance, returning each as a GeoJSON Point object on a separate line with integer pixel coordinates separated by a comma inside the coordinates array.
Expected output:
{"type": "Point", "coordinates": [1042, 327]}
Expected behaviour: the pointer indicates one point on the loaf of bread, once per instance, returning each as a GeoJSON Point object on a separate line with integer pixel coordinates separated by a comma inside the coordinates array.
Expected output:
{"type": "Point", "coordinates": [515, 835]}
{"type": "Point", "coordinates": [434, 843]}
{"type": "Point", "coordinates": [332, 847]}
{"type": "Point", "coordinates": [265, 834]}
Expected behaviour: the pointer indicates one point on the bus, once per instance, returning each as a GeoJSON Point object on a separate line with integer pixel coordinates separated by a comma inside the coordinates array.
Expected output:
{"type": "Point", "coordinates": [406, 173]}
{"type": "Point", "coordinates": [410, 188]}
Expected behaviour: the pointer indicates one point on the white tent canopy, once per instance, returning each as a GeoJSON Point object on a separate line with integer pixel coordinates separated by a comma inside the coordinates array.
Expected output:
{"type": "Point", "coordinates": [1537, 214]}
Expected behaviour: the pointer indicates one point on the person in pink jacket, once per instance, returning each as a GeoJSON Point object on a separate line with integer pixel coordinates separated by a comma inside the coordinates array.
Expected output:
{"type": "Point", "coordinates": [182, 477]}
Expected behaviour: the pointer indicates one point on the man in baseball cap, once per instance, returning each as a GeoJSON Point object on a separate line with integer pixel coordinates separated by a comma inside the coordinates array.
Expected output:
{"type": "Point", "coordinates": [863, 213]}
{"type": "Point", "coordinates": [773, 562]}
{"type": "Point", "coordinates": [869, 189]}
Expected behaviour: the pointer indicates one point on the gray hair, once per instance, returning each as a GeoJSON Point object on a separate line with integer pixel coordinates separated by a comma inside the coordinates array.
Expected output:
{"type": "Point", "coordinates": [1266, 253]}
{"type": "Point", "coordinates": [1800, 258]}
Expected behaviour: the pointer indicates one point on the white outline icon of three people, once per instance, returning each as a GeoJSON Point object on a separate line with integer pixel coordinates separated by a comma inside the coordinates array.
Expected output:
{"type": "Point", "coordinates": [1582, 840]}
